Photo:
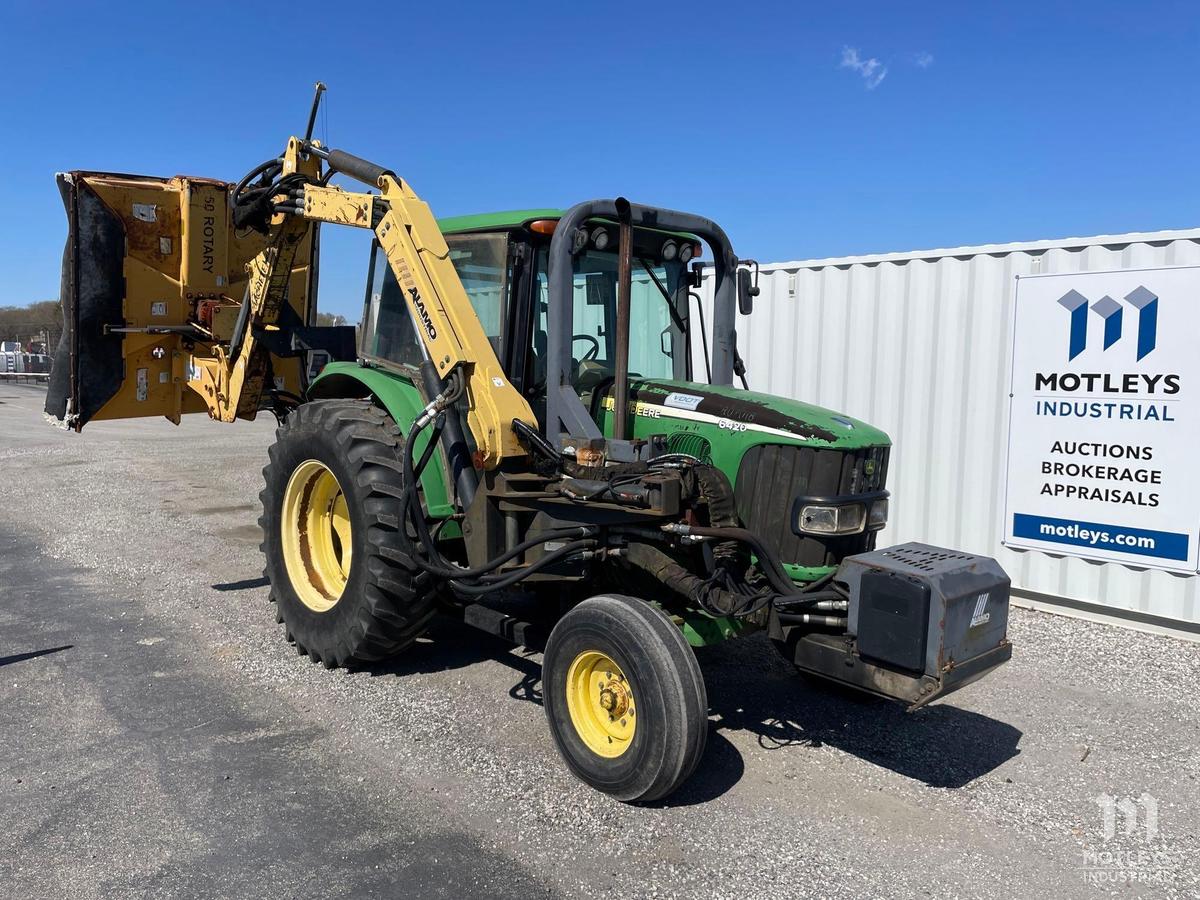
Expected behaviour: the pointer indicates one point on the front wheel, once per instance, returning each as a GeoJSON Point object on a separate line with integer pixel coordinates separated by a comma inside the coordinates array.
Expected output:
{"type": "Point", "coordinates": [624, 698]}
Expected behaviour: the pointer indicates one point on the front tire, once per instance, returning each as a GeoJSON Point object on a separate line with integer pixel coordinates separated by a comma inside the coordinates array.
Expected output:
{"type": "Point", "coordinates": [624, 698]}
{"type": "Point", "coordinates": [342, 575]}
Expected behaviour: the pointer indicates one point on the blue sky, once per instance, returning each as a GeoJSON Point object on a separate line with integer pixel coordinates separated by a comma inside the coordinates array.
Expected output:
{"type": "Point", "coordinates": [807, 130]}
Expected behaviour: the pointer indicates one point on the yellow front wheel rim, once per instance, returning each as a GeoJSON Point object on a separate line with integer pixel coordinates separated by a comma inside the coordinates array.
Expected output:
{"type": "Point", "coordinates": [601, 704]}
{"type": "Point", "coordinates": [316, 535]}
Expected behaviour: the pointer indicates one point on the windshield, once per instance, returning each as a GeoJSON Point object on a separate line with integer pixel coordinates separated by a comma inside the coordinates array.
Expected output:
{"type": "Point", "coordinates": [481, 261]}
{"type": "Point", "coordinates": [657, 339]}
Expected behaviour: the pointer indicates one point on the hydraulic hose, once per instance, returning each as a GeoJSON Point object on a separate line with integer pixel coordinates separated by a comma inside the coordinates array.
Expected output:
{"type": "Point", "coordinates": [708, 596]}
{"type": "Point", "coordinates": [813, 619]}
{"type": "Point", "coordinates": [513, 577]}
{"type": "Point", "coordinates": [768, 561]}
{"type": "Point", "coordinates": [410, 510]}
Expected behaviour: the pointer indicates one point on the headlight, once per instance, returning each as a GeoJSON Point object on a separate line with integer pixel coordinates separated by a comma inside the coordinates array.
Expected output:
{"type": "Point", "coordinates": [847, 519]}
{"type": "Point", "coordinates": [670, 250]}
{"type": "Point", "coordinates": [878, 515]}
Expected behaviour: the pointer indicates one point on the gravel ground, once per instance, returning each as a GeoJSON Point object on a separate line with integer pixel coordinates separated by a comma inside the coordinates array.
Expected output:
{"type": "Point", "coordinates": [178, 747]}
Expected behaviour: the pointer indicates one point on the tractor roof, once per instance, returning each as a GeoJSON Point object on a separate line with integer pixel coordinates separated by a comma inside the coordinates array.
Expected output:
{"type": "Point", "coordinates": [496, 221]}
{"type": "Point", "coordinates": [505, 220]}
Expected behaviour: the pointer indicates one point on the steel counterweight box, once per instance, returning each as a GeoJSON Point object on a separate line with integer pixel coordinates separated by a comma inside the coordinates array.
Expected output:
{"type": "Point", "coordinates": [950, 606]}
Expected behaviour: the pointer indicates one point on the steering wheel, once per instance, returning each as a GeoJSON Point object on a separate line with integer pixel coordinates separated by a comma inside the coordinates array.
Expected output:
{"type": "Point", "coordinates": [593, 351]}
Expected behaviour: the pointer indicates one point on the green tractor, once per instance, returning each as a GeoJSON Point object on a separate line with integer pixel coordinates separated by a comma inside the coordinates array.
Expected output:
{"type": "Point", "coordinates": [534, 430]}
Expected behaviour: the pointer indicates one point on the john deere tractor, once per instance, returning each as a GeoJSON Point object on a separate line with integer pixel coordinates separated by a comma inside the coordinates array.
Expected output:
{"type": "Point", "coordinates": [534, 430]}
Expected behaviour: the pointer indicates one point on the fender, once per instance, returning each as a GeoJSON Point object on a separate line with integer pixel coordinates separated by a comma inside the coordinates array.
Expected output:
{"type": "Point", "coordinates": [404, 403]}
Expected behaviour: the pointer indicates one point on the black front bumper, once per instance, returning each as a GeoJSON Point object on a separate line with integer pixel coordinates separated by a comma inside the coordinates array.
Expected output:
{"type": "Point", "coordinates": [835, 657]}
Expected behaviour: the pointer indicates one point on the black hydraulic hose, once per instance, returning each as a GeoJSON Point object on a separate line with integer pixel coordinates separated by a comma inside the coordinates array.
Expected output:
{"type": "Point", "coordinates": [410, 499]}
{"type": "Point", "coordinates": [692, 295]}
{"type": "Point", "coordinates": [454, 441]}
{"type": "Point", "coordinates": [437, 565]}
{"type": "Point", "coordinates": [820, 582]}
{"type": "Point", "coordinates": [808, 598]}
{"type": "Point", "coordinates": [481, 571]}
{"type": "Point", "coordinates": [768, 561]}
{"type": "Point", "coordinates": [513, 577]}
{"type": "Point", "coordinates": [709, 595]}
{"type": "Point", "coordinates": [430, 447]}
{"type": "Point", "coordinates": [254, 173]}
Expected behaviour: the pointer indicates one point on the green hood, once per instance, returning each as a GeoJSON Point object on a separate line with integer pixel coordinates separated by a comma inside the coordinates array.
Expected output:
{"type": "Point", "coordinates": [759, 417]}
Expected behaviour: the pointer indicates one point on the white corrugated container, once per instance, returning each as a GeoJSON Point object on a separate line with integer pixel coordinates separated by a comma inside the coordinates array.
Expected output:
{"type": "Point", "coordinates": [919, 345]}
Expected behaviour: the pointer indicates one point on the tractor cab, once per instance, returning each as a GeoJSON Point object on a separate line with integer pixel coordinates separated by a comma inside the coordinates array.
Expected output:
{"type": "Point", "coordinates": [502, 260]}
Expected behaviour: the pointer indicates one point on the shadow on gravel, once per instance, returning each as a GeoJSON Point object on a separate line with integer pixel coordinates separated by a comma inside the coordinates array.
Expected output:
{"type": "Point", "coordinates": [720, 768]}
{"type": "Point", "coordinates": [33, 654]}
{"type": "Point", "coordinates": [449, 644]}
{"type": "Point", "coordinates": [244, 585]}
{"type": "Point", "coordinates": [751, 689]}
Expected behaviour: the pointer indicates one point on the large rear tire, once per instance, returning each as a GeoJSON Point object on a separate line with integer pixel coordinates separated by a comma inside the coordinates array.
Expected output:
{"type": "Point", "coordinates": [342, 576]}
{"type": "Point", "coordinates": [624, 698]}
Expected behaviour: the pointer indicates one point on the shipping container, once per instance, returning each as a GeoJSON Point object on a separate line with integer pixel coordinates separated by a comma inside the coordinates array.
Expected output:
{"type": "Point", "coordinates": [919, 344]}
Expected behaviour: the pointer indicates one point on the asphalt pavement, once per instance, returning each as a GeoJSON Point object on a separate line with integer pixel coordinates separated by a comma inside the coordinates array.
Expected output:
{"type": "Point", "coordinates": [158, 738]}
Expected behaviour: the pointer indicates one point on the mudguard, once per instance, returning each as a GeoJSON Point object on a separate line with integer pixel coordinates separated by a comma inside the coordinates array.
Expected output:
{"type": "Point", "coordinates": [400, 397]}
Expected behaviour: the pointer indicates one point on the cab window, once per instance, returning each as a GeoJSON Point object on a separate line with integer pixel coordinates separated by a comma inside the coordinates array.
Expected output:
{"type": "Point", "coordinates": [657, 347]}
{"type": "Point", "coordinates": [481, 261]}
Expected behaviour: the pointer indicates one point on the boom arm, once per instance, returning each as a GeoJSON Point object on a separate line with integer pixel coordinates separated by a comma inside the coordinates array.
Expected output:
{"type": "Point", "coordinates": [151, 327]}
{"type": "Point", "coordinates": [442, 314]}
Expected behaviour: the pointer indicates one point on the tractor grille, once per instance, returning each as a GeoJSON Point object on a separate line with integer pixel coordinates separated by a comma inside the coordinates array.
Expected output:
{"type": "Point", "coordinates": [691, 444]}
{"type": "Point", "coordinates": [772, 476]}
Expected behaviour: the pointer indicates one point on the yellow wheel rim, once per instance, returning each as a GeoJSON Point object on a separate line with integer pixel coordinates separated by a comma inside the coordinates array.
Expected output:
{"type": "Point", "coordinates": [315, 532]}
{"type": "Point", "coordinates": [601, 703]}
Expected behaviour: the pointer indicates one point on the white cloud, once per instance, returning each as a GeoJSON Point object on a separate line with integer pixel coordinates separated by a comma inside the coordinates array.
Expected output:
{"type": "Point", "coordinates": [924, 59]}
{"type": "Point", "coordinates": [871, 70]}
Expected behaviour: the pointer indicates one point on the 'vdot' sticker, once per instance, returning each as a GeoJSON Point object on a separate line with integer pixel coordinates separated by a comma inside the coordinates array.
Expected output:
{"type": "Point", "coordinates": [683, 401]}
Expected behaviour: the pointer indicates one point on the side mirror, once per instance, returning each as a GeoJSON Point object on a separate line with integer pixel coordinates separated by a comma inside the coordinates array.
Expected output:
{"type": "Point", "coordinates": [747, 290]}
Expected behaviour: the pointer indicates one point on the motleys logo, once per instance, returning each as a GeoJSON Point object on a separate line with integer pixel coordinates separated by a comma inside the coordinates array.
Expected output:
{"type": "Point", "coordinates": [1111, 313]}
{"type": "Point", "coordinates": [1093, 537]}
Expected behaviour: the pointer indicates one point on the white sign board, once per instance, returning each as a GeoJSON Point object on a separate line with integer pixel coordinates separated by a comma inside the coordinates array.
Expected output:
{"type": "Point", "coordinates": [1104, 421]}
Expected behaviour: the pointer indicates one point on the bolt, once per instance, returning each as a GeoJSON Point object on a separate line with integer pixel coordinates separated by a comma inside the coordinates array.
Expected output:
{"type": "Point", "coordinates": [608, 674]}
{"type": "Point", "coordinates": [623, 723]}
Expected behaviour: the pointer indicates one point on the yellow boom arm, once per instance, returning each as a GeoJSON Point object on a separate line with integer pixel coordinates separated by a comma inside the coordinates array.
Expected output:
{"type": "Point", "coordinates": [442, 313]}
{"type": "Point", "coordinates": [231, 382]}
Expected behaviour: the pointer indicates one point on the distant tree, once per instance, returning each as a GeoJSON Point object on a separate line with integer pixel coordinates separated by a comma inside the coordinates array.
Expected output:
{"type": "Point", "coordinates": [327, 319]}
{"type": "Point", "coordinates": [35, 322]}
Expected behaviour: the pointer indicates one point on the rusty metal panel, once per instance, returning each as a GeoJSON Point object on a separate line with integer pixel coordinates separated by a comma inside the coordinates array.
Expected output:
{"type": "Point", "coordinates": [919, 345]}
